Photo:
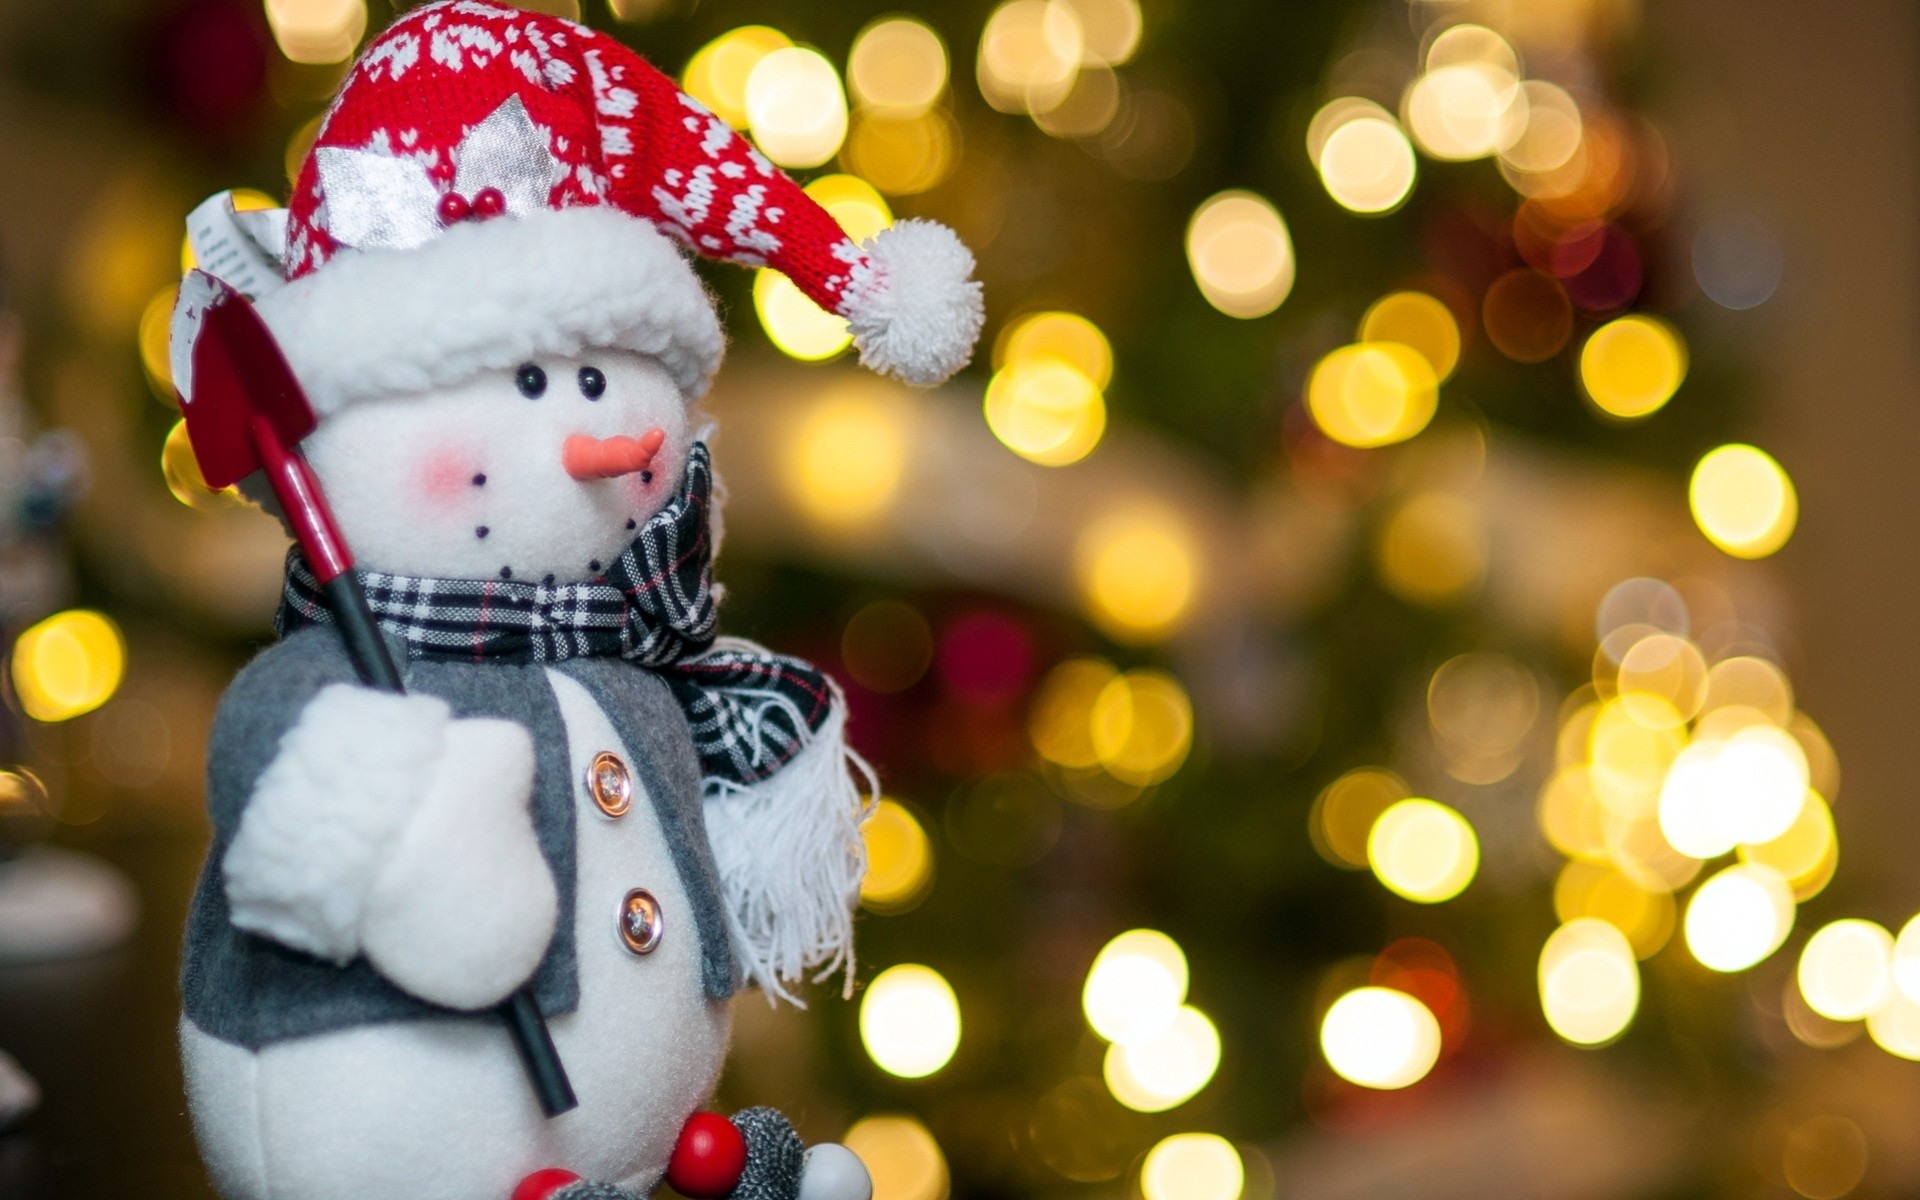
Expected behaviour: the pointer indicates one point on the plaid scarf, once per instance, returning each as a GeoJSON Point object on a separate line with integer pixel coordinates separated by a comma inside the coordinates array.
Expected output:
{"type": "Point", "coordinates": [750, 710]}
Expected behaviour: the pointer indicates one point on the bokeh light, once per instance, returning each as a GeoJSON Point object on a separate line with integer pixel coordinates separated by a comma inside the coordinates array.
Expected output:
{"type": "Point", "coordinates": [1060, 722]}
{"type": "Point", "coordinates": [1110, 29]}
{"type": "Point", "coordinates": [69, 664]}
{"type": "Point", "coordinates": [1825, 1157]}
{"type": "Point", "coordinates": [1423, 850]}
{"type": "Point", "coordinates": [1750, 683]}
{"type": "Point", "coordinates": [1895, 1027]}
{"type": "Point", "coordinates": [1906, 960]}
{"type": "Point", "coordinates": [1465, 110]}
{"type": "Point", "coordinates": [1380, 1038]}
{"type": "Point", "coordinates": [1372, 394]}
{"type": "Point", "coordinates": [1589, 981]}
{"type": "Point", "coordinates": [887, 646]}
{"type": "Point", "coordinates": [1193, 1166]}
{"type": "Point", "coordinates": [1345, 810]}
{"type": "Point", "coordinates": [902, 1157]}
{"type": "Point", "coordinates": [1632, 366]}
{"type": "Point", "coordinates": [1527, 315]}
{"type": "Point", "coordinates": [1367, 165]}
{"type": "Point", "coordinates": [1432, 550]}
{"type": "Point", "coordinates": [1142, 725]}
{"type": "Point", "coordinates": [847, 459]}
{"type": "Point", "coordinates": [1088, 107]}
{"type": "Point", "coordinates": [854, 204]}
{"type": "Point", "coordinates": [1806, 854]}
{"type": "Point", "coordinates": [1743, 501]}
{"type": "Point", "coordinates": [794, 323]}
{"type": "Point", "coordinates": [317, 31]}
{"type": "Point", "coordinates": [1241, 254]}
{"type": "Point", "coordinates": [1646, 915]}
{"type": "Point", "coordinates": [1481, 706]}
{"type": "Point", "coordinates": [1063, 336]}
{"type": "Point", "coordinates": [1135, 987]}
{"type": "Point", "coordinates": [902, 156]}
{"type": "Point", "coordinates": [1846, 970]}
{"type": "Point", "coordinates": [897, 65]}
{"type": "Point", "coordinates": [910, 1021]}
{"type": "Point", "coordinates": [1030, 54]}
{"type": "Point", "coordinates": [1551, 136]}
{"type": "Point", "coordinates": [1154, 1074]}
{"type": "Point", "coordinates": [1046, 411]}
{"type": "Point", "coordinates": [1737, 261]}
{"type": "Point", "coordinates": [1739, 917]}
{"type": "Point", "coordinates": [156, 332]}
{"type": "Point", "coordinates": [1138, 570]}
{"type": "Point", "coordinates": [899, 859]}
{"type": "Point", "coordinates": [717, 74]}
{"type": "Point", "coordinates": [180, 467]}
{"type": "Point", "coordinates": [1662, 677]}
{"type": "Point", "coordinates": [1417, 320]}
{"type": "Point", "coordinates": [795, 107]}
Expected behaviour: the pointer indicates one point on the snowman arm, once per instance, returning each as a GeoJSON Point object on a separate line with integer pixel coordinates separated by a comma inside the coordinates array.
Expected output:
{"type": "Point", "coordinates": [310, 832]}
{"type": "Point", "coordinates": [462, 910]}
{"type": "Point", "coordinates": [383, 826]}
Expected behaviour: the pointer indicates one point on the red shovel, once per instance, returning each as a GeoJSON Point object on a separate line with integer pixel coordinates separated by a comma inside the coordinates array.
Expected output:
{"type": "Point", "coordinates": [247, 413]}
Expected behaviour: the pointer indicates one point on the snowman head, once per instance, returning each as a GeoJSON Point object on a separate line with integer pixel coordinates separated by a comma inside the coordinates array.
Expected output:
{"type": "Point", "coordinates": [541, 472]}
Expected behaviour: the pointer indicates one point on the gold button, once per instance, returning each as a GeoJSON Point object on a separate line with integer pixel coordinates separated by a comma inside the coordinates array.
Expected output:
{"type": "Point", "coordinates": [640, 924]}
{"type": "Point", "coordinates": [610, 784]}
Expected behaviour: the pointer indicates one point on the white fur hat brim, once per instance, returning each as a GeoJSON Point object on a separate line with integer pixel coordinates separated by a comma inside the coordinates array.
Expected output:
{"type": "Point", "coordinates": [490, 295]}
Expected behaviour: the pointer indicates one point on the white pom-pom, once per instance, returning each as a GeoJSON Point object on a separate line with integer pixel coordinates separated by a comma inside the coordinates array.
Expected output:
{"type": "Point", "coordinates": [791, 858]}
{"type": "Point", "coordinates": [914, 307]}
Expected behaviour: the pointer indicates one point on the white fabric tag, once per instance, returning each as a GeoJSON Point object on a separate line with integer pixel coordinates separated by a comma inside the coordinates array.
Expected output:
{"type": "Point", "coordinates": [240, 249]}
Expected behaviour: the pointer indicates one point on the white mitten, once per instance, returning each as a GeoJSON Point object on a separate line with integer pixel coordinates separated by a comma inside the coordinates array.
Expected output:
{"type": "Point", "coordinates": [830, 1171]}
{"type": "Point", "coordinates": [386, 827]}
{"type": "Point", "coordinates": [463, 908]}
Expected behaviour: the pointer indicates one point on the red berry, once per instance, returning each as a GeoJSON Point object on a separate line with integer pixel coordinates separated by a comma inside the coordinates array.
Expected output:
{"type": "Point", "coordinates": [709, 1158]}
{"type": "Point", "coordinates": [541, 1185]}
{"type": "Point", "coordinates": [454, 209]}
{"type": "Point", "coordinates": [488, 203]}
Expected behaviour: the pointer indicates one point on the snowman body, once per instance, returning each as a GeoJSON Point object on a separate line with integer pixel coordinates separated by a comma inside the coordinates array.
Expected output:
{"type": "Point", "coordinates": [440, 1109]}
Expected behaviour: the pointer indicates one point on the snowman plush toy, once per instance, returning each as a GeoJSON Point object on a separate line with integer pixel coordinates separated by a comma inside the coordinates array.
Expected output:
{"type": "Point", "coordinates": [481, 283]}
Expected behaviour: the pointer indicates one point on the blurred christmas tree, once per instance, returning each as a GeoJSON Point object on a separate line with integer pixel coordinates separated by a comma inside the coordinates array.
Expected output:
{"type": "Point", "coordinates": [1303, 702]}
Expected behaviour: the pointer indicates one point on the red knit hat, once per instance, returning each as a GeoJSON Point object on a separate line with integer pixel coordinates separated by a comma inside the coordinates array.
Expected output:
{"type": "Point", "coordinates": [493, 184]}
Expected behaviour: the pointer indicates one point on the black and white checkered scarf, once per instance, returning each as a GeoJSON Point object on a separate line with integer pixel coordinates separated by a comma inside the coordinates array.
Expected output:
{"type": "Point", "coordinates": [654, 606]}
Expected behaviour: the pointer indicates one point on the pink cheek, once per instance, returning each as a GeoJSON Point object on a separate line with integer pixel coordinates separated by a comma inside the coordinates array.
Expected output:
{"type": "Point", "coordinates": [444, 478]}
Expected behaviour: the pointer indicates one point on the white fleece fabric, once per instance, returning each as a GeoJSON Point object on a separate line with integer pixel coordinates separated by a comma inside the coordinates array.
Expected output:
{"type": "Point", "coordinates": [440, 1109]}
{"type": "Point", "coordinates": [463, 908]}
{"type": "Point", "coordinates": [325, 812]}
{"type": "Point", "coordinates": [489, 295]}
{"type": "Point", "coordinates": [790, 858]}
{"type": "Point", "coordinates": [916, 311]}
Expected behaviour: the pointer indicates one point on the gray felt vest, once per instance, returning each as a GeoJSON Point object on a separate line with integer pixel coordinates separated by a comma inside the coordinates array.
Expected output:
{"type": "Point", "coordinates": [247, 989]}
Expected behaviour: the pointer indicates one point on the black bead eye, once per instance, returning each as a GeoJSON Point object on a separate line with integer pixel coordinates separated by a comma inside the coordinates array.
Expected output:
{"type": "Point", "coordinates": [531, 381]}
{"type": "Point", "coordinates": [593, 384]}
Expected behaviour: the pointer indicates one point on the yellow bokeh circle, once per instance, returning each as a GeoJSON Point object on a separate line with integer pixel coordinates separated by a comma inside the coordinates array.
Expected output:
{"type": "Point", "coordinates": [1373, 394]}
{"type": "Point", "coordinates": [69, 664]}
{"type": "Point", "coordinates": [1743, 500]}
{"type": "Point", "coordinates": [1632, 366]}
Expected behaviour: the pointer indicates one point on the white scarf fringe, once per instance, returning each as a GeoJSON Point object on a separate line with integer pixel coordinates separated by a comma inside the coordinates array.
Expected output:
{"type": "Point", "coordinates": [791, 859]}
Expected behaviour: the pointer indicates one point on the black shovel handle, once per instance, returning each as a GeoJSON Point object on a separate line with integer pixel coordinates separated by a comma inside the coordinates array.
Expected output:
{"type": "Point", "coordinates": [376, 669]}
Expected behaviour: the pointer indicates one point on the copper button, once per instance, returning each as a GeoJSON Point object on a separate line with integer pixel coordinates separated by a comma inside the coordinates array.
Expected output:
{"type": "Point", "coordinates": [640, 924]}
{"type": "Point", "coordinates": [610, 784]}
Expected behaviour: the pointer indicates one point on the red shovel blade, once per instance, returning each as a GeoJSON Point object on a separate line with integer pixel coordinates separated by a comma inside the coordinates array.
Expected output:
{"type": "Point", "coordinates": [239, 377]}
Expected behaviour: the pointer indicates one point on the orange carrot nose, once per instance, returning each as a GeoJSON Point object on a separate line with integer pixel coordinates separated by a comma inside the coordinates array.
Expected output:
{"type": "Point", "coordinates": [608, 458]}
